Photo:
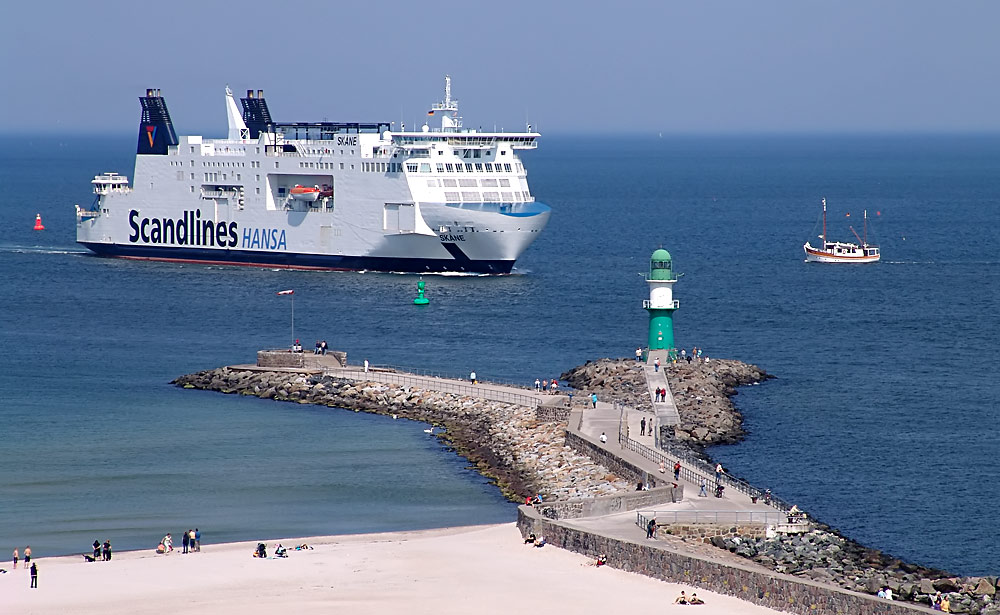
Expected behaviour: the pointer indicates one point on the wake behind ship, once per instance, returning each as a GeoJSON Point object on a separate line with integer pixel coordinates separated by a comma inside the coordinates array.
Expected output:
{"type": "Point", "coordinates": [321, 195]}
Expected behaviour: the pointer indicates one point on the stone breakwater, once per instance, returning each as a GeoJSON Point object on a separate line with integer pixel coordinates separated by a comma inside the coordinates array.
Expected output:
{"type": "Point", "coordinates": [505, 442]}
{"type": "Point", "coordinates": [701, 391]}
{"type": "Point", "coordinates": [825, 556]}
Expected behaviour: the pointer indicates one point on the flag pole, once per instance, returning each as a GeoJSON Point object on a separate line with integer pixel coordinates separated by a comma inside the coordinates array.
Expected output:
{"type": "Point", "coordinates": [292, 293]}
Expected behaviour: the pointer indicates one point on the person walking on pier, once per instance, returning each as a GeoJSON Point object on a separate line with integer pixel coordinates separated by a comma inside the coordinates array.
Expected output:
{"type": "Point", "coordinates": [651, 528]}
{"type": "Point", "coordinates": [642, 426]}
{"type": "Point", "coordinates": [656, 364]}
{"type": "Point", "coordinates": [472, 377]}
{"type": "Point", "coordinates": [718, 473]}
{"type": "Point", "coordinates": [703, 493]}
{"type": "Point", "coordinates": [677, 470]}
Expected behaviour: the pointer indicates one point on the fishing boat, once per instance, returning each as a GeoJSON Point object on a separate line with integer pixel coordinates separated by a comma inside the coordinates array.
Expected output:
{"type": "Point", "coordinates": [842, 251]}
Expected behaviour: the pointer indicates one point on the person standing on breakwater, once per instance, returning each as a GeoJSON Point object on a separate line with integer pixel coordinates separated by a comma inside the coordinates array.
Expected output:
{"type": "Point", "coordinates": [638, 354]}
{"type": "Point", "coordinates": [677, 470]}
{"type": "Point", "coordinates": [593, 399]}
{"type": "Point", "coordinates": [366, 366]}
{"type": "Point", "coordinates": [704, 489]}
{"type": "Point", "coordinates": [538, 385]}
{"type": "Point", "coordinates": [642, 426]}
{"type": "Point", "coordinates": [472, 377]}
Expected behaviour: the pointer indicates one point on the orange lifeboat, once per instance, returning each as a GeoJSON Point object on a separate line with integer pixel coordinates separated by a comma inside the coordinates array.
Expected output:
{"type": "Point", "coordinates": [304, 193]}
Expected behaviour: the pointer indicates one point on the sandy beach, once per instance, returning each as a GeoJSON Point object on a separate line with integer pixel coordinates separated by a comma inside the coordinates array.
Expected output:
{"type": "Point", "coordinates": [479, 569]}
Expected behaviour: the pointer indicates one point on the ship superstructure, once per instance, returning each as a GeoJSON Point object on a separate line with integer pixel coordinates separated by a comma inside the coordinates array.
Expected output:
{"type": "Point", "coordinates": [323, 195]}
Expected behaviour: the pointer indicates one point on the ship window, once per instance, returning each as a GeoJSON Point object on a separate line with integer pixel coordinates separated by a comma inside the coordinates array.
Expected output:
{"type": "Point", "coordinates": [506, 167]}
{"type": "Point", "coordinates": [489, 167]}
{"type": "Point", "coordinates": [467, 183]}
{"type": "Point", "coordinates": [412, 168]}
{"type": "Point", "coordinates": [450, 167]}
{"type": "Point", "coordinates": [432, 183]}
{"type": "Point", "coordinates": [258, 149]}
{"type": "Point", "coordinates": [341, 166]}
{"type": "Point", "coordinates": [470, 197]}
{"type": "Point", "coordinates": [488, 152]}
{"type": "Point", "coordinates": [258, 189]}
{"type": "Point", "coordinates": [192, 149]}
{"type": "Point", "coordinates": [275, 164]}
{"type": "Point", "coordinates": [192, 188]}
{"type": "Point", "coordinates": [503, 152]}
{"type": "Point", "coordinates": [450, 183]}
{"type": "Point", "coordinates": [468, 167]}
{"type": "Point", "coordinates": [477, 154]}
{"type": "Point", "coordinates": [505, 183]}
{"type": "Point", "coordinates": [458, 168]}
{"type": "Point", "coordinates": [479, 167]}
{"type": "Point", "coordinates": [425, 168]}
{"type": "Point", "coordinates": [440, 168]}
{"type": "Point", "coordinates": [451, 197]}
{"type": "Point", "coordinates": [488, 183]}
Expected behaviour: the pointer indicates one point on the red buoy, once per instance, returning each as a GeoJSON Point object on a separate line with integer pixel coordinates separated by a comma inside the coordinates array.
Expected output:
{"type": "Point", "coordinates": [38, 223]}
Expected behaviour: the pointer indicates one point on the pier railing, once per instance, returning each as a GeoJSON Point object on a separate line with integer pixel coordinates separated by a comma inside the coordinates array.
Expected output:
{"type": "Point", "coordinates": [432, 383]}
{"type": "Point", "coordinates": [695, 469]}
{"type": "Point", "coordinates": [728, 517]}
{"type": "Point", "coordinates": [446, 375]}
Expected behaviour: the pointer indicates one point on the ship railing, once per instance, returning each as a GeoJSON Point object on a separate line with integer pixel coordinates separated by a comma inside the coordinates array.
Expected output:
{"type": "Point", "coordinates": [694, 468]}
{"type": "Point", "coordinates": [442, 385]}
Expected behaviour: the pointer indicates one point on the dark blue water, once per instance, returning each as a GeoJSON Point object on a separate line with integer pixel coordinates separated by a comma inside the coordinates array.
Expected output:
{"type": "Point", "coordinates": [880, 422]}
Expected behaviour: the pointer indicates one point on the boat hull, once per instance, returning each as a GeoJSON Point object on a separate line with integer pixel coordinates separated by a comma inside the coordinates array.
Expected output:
{"type": "Point", "coordinates": [287, 260]}
{"type": "Point", "coordinates": [814, 255]}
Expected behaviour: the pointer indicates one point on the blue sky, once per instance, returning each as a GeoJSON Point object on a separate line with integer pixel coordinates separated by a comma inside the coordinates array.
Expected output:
{"type": "Point", "coordinates": [714, 67]}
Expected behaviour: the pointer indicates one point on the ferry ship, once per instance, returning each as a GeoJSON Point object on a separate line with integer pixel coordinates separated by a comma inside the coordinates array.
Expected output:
{"type": "Point", "coordinates": [319, 195]}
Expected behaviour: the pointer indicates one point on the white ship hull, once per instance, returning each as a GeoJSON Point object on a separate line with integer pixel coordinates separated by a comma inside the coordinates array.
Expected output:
{"type": "Point", "coordinates": [429, 201]}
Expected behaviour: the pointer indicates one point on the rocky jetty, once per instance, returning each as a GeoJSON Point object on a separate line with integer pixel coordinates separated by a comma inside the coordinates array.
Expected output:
{"type": "Point", "coordinates": [505, 442]}
{"type": "Point", "coordinates": [825, 556]}
{"type": "Point", "coordinates": [701, 390]}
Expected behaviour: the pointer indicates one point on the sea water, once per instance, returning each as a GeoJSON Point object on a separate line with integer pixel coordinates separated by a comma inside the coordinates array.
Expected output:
{"type": "Point", "coordinates": [880, 421]}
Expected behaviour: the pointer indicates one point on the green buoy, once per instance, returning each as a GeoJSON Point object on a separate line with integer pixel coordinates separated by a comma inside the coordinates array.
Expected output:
{"type": "Point", "coordinates": [421, 299]}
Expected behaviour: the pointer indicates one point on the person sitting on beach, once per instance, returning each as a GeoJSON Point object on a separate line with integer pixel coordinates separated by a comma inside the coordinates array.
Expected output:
{"type": "Point", "coordinates": [602, 560]}
{"type": "Point", "coordinates": [168, 544]}
{"type": "Point", "coordinates": [538, 499]}
{"type": "Point", "coordinates": [279, 551]}
{"type": "Point", "coordinates": [695, 599]}
{"type": "Point", "coordinates": [303, 547]}
{"type": "Point", "coordinates": [682, 599]}
{"type": "Point", "coordinates": [540, 542]}
{"type": "Point", "coordinates": [530, 540]}
{"type": "Point", "coordinates": [261, 551]}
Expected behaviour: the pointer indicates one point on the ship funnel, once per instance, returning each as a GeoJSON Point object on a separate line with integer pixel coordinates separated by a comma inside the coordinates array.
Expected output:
{"type": "Point", "coordinates": [256, 116]}
{"type": "Point", "coordinates": [156, 131]}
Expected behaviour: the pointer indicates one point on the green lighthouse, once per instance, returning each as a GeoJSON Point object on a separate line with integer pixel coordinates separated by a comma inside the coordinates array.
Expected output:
{"type": "Point", "coordinates": [661, 303]}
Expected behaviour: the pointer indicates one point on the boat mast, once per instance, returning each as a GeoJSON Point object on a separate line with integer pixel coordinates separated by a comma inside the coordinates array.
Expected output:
{"type": "Point", "coordinates": [864, 242]}
{"type": "Point", "coordinates": [824, 223]}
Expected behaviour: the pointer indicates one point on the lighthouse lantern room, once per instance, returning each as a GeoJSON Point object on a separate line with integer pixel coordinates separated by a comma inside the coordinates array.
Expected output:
{"type": "Point", "coordinates": [661, 303]}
